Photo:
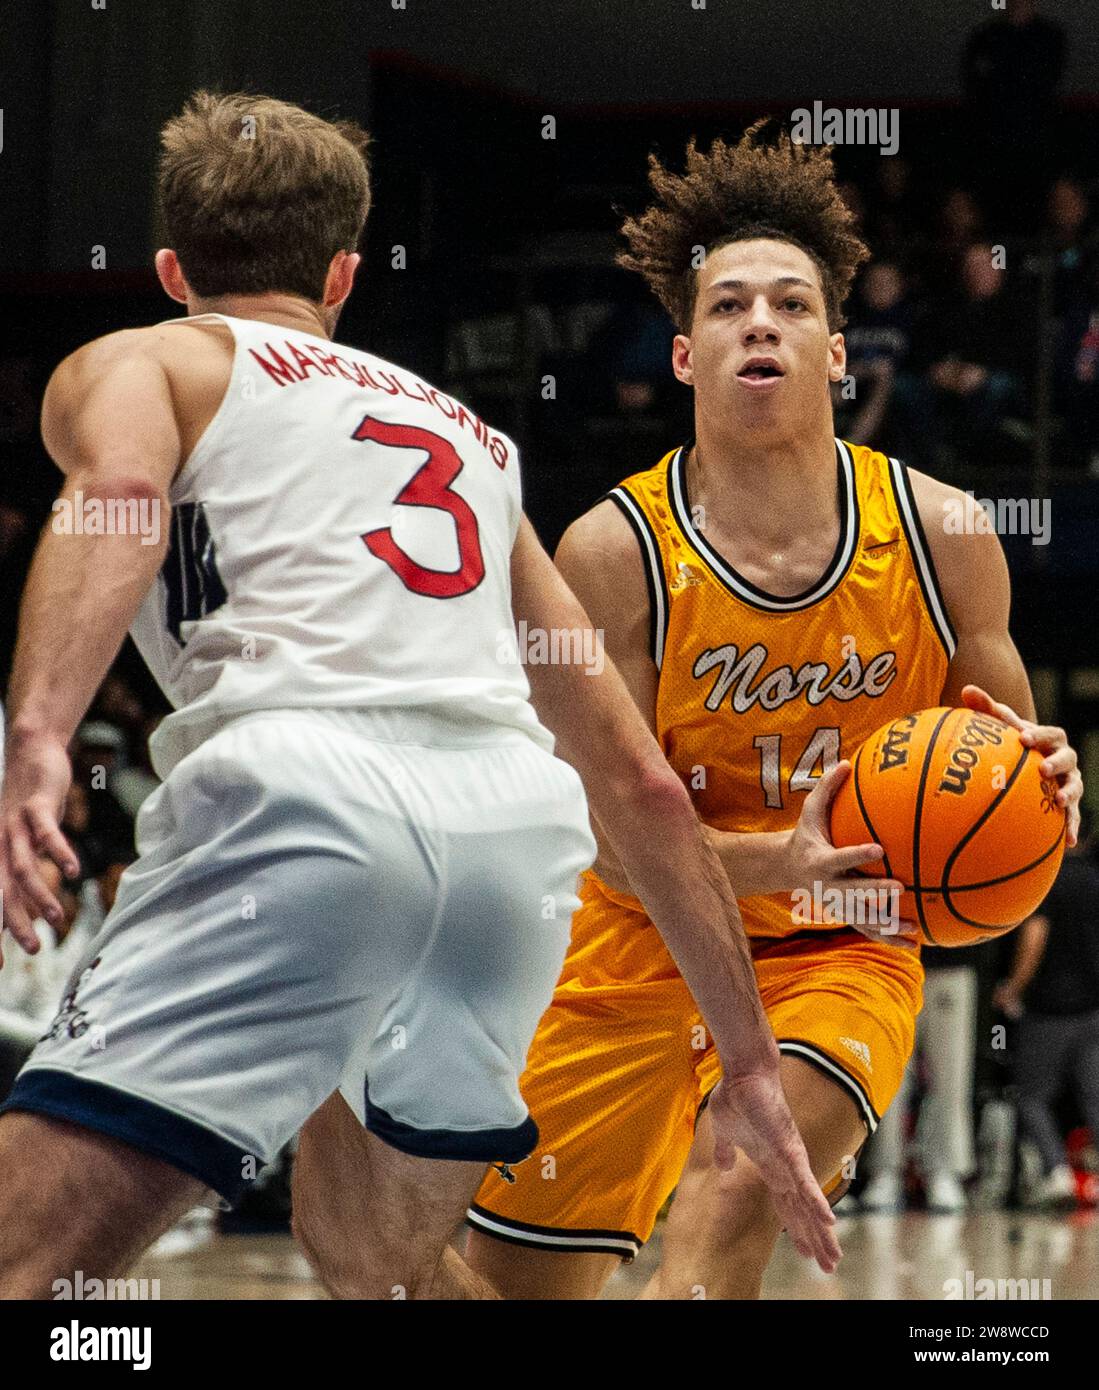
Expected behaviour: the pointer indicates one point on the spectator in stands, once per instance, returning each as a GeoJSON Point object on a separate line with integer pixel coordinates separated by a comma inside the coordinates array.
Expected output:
{"type": "Point", "coordinates": [97, 754]}
{"type": "Point", "coordinates": [958, 224]}
{"type": "Point", "coordinates": [116, 702]}
{"type": "Point", "coordinates": [1078, 368]}
{"type": "Point", "coordinates": [978, 360]}
{"type": "Point", "coordinates": [130, 777]}
{"type": "Point", "coordinates": [946, 1042]}
{"type": "Point", "coordinates": [135, 781]}
{"type": "Point", "coordinates": [1068, 213]}
{"type": "Point", "coordinates": [632, 350]}
{"type": "Point", "coordinates": [1011, 69]}
{"type": "Point", "coordinates": [894, 216]}
{"type": "Point", "coordinates": [1053, 991]}
{"type": "Point", "coordinates": [879, 339]}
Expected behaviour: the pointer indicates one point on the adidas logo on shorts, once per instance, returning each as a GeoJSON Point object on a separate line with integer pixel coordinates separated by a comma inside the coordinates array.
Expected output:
{"type": "Point", "coordinates": [860, 1049]}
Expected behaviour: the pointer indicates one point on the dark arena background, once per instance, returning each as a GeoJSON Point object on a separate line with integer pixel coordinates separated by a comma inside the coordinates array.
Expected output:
{"type": "Point", "coordinates": [509, 142]}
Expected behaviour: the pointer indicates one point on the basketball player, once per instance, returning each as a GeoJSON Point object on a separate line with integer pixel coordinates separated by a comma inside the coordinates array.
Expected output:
{"type": "Point", "coordinates": [772, 596]}
{"type": "Point", "coordinates": [362, 861]}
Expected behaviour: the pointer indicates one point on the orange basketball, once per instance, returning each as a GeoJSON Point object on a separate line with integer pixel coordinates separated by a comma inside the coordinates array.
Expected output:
{"type": "Point", "coordinates": [966, 820]}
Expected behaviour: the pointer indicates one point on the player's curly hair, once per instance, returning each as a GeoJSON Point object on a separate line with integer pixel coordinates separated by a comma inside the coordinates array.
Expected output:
{"type": "Point", "coordinates": [766, 185]}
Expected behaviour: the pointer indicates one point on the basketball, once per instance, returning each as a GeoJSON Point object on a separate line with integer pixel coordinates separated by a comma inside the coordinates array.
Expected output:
{"type": "Point", "coordinates": [967, 822]}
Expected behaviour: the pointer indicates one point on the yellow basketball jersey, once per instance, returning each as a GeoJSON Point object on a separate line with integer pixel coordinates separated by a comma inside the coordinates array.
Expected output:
{"type": "Point", "coordinates": [759, 695]}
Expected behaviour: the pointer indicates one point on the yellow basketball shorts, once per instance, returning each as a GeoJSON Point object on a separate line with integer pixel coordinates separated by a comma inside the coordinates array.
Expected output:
{"type": "Point", "coordinates": [618, 1071]}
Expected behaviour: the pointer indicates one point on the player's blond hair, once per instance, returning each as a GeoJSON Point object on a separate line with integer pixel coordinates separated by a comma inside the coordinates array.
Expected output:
{"type": "Point", "coordinates": [763, 186]}
{"type": "Point", "coordinates": [259, 195]}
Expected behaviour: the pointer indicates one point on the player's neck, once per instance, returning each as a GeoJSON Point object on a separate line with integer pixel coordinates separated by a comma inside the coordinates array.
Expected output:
{"type": "Point", "coordinates": [764, 487]}
{"type": "Point", "coordinates": [285, 310]}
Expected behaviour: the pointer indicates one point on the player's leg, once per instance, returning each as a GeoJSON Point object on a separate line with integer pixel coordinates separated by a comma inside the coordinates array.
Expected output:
{"type": "Point", "coordinates": [522, 1272]}
{"type": "Point", "coordinates": [610, 1079]}
{"type": "Point", "coordinates": [387, 1168]}
{"type": "Point", "coordinates": [375, 1222]}
{"type": "Point", "coordinates": [216, 1009]}
{"type": "Point", "coordinates": [721, 1229]}
{"type": "Point", "coordinates": [844, 1010]}
{"type": "Point", "coordinates": [85, 1202]}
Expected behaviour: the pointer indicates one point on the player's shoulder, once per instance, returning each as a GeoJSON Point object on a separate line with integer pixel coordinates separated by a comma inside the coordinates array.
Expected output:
{"type": "Point", "coordinates": [160, 344]}
{"type": "Point", "coordinates": [965, 549]}
{"type": "Point", "coordinates": [600, 536]}
{"type": "Point", "coordinates": [932, 495]}
{"type": "Point", "coordinates": [604, 543]}
{"type": "Point", "coordinates": [120, 356]}
{"type": "Point", "coordinates": [101, 354]}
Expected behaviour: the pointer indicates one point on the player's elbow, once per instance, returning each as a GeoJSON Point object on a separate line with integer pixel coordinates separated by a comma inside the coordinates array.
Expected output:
{"type": "Point", "coordinates": [117, 482]}
{"type": "Point", "coordinates": [117, 502]}
{"type": "Point", "coordinates": [656, 792]}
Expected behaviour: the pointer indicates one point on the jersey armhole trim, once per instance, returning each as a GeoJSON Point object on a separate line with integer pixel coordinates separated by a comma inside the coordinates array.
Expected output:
{"type": "Point", "coordinates": [654, 570]}
{"type": "Point", "coordinates": [921, 554]}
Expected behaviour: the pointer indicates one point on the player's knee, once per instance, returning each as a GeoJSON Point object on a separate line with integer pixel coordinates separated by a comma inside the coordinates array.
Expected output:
{"type": "Point", "coordinates": [746, 1221]}
{"type": "Point", "coordinates": [371, 1267]}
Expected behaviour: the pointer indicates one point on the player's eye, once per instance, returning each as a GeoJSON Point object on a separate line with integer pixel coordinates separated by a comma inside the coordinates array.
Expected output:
{"type": "Point", "coordinates": [724, 304]}
{"type": "Point", "coordinates": [793, 303]}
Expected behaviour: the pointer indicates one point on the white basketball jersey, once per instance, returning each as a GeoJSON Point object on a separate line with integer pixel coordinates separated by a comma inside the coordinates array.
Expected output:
{"type": "Point", "coordinates": [341, 536]}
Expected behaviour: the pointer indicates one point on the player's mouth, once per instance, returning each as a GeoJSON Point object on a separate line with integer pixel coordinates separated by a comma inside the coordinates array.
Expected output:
{"type": "Point", "coordinates": [760, 373]}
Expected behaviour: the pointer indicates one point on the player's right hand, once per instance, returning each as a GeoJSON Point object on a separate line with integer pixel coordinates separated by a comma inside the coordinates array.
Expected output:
{"type": "Point", "coordinates": [815, 864]}
{"type": "Point", "coordinates": [750, 1113]}
{"type": "Point", "coordinates": [36, 781]}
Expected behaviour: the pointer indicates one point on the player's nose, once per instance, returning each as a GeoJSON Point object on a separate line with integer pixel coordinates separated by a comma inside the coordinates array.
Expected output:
{"type": "Point", "coordinates": [760, 323]}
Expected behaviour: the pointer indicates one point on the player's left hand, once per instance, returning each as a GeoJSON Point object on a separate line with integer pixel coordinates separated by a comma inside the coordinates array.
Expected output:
{"type": "Point", "coordinates": [1061, 764]}
{"type": "Point", "coordinates": [750, 1113]}
{"type": "Point", "coordinates": [36, 780]}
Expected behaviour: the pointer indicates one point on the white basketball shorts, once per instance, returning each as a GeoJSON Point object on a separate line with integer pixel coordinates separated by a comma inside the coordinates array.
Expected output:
{"type": "Point", "coordinates": [363, 900]}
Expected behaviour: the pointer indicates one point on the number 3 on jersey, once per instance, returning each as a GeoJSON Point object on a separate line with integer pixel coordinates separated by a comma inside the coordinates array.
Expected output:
{"type": "Point", "coordinates": [823, 748]}
{"type": "Point", "coordinates": [429, 486]}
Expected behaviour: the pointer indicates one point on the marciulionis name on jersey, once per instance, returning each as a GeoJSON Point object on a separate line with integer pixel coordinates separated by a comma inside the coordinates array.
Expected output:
{"type": "Point", "coordinates": [816, 679]}
{"type": "Point", "coordinates": [315, 359]}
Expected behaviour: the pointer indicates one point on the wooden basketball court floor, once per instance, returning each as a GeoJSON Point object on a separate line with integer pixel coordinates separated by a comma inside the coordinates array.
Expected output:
{"type": "Point", "coordinates": [885, 1257]}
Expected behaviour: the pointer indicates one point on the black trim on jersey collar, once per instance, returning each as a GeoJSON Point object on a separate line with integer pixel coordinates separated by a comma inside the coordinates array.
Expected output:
{"type": "Point", "coordinates": [653, 566]}
{"type": "Point", "coordinates": [744, 589]}
{"type": "Point", "coordinates": [920, 551]}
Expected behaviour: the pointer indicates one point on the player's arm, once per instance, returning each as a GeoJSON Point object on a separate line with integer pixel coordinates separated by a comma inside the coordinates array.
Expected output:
{"type": "Point", "coordinates": [649, 821]}
{"type": "Point", "coordinates": [109, 424]}
{"type": "Point", "coordinates": [601, 561]}
{"type": "Point", "coordinates": [1030, 947]}
{"type": "Point", "coordinates": [987, 672]}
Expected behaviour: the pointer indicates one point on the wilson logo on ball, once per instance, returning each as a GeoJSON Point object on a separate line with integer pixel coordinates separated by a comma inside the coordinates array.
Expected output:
{"type": "Point", "coordinates": [964, 759]}
{"type": "Point", "coordinates": [966, 821]}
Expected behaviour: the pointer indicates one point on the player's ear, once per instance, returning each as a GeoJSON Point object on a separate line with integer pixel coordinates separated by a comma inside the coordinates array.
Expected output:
{"type": "Point", "coordinates": [341, 277]}
{"type": "Point", "coordinates": [170, 274]}
{"type": "Point", "coordinates": [681, 359]}
{"type": "Point", "coordinates": [837, 364]}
